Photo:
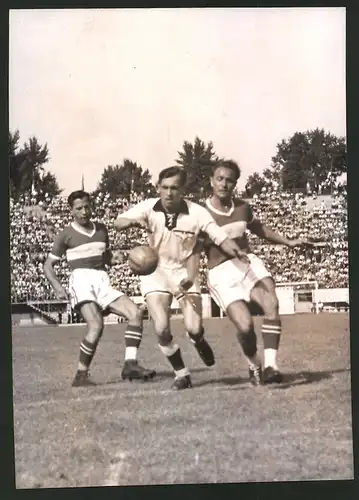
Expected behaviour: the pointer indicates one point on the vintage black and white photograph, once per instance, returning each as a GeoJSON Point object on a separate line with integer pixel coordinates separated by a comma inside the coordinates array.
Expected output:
{"type": "Point", "coordinates": [179, 246]}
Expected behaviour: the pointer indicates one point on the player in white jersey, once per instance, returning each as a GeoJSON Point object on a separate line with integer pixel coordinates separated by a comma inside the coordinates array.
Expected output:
{"type": "Point", "coordinates": [173, 225]}
{"type": "Point", "coordinates": [86, 246]}
{"type": "Point", "coordinates": [232, 283]}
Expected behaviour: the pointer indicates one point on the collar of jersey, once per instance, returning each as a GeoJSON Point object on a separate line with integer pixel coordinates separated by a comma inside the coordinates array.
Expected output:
{"type": "Point", "coordinates": [219, 212]}
{"type": "Point", "coordinates": [81, 231]}
{"type": "Point", "coordinates": [183, 207]}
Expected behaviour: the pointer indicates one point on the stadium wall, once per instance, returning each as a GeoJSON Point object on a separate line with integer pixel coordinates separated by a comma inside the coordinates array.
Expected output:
{"type": "Point", "coordinates": [22, 315]}
{"type": "Point", "coordinates": [330, 295]}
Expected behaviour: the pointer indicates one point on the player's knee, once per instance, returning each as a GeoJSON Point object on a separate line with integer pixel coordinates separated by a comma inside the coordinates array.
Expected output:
{"type": "Point", "coordinates": [271, 306]}
{"type": "Point", "coordinates": [135, 315]}
{"type": "Point", "coordinates": [195, 329]}
{"type": "Point", "coordinates": [164, 336]}
{"type": "Point", "coordinates": [244, 324]}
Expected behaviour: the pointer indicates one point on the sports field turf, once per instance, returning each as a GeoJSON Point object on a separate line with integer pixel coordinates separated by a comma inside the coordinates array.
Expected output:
{"type": "Point", "coordinates": [222, 430]}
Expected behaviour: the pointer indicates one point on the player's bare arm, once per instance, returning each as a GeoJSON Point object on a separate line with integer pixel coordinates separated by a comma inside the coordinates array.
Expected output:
{"type": "Point", "coordinates": [262, 231]}
{"type": "Point", "coordinates": [123, 223]}
{"type": "Point", "coordinates": [193, 262]}
{"type": "Point", "coordinates": [192, 266]}
{"type": "Point", "coordinates": [53, 279]}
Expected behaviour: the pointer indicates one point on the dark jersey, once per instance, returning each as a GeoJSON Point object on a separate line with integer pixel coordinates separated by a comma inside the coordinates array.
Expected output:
{"type": "Point", "coordinates": [235, 223]}
{"type": "Point", "coordinates": [82, 249]}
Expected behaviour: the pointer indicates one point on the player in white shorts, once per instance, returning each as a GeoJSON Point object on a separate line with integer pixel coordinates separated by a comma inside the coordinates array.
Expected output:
{"type": "Point", "coordinates": [86, 246]}
{"type": "Point", "coordinates": [173, 225]}
{"type": "Point", "coordinates": [233, 283]}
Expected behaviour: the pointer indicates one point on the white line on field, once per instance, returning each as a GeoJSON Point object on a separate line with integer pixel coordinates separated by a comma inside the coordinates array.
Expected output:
{"type": "Point", "coordinates": [113, 477]}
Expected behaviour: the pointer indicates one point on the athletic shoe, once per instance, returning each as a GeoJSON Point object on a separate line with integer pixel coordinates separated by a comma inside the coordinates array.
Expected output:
{"type": "Point", "coordinates": [82, 379]}
{"type": "Point", "coordinates": [182, 383]}
{"type": "Point", "coordinates": [272, 376]}
{"type": "Point", "coordinates": [205, 352]}
{"type": "Point", "coordinates": [133, 371]}
{"type": "Point", "coordinates": [255, 375]}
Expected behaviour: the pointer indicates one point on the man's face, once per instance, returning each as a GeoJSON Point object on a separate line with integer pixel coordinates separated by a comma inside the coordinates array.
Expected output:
{"type": "Point", "coordinates": [81, 210]}
{"type": "Point", "coordinates": [170, 191]}
{"type": "Point", "coordinates": [223, 183]}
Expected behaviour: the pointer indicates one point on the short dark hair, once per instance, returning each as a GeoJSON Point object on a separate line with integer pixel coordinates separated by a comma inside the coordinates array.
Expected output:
{"type": "Point", "coordinates": [77, 195]}
{"type": "Point", "coordinates": [230, 164]}
{"type": "Point", "coordinates": [171, 172]}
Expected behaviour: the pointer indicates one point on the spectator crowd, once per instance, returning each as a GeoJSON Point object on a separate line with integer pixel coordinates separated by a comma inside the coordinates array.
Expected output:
{"type": "Point", "coordinates": [33, 226]}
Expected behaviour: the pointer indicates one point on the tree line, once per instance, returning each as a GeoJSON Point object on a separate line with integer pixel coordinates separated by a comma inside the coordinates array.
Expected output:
{"type": "Point", "coordinates": [305, 161]}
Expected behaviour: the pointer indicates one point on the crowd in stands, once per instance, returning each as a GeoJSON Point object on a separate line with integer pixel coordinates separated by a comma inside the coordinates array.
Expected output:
{"type": "Point", "coordinates": [33, 226]}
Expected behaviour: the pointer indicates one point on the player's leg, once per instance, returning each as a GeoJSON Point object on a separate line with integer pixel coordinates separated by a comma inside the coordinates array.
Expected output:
{"type": "Point", "coordinates": [225, 284]}
{"type": "Point", "coordinates": [191, 306]}
{"type": "Point", "coordinates": [241, 317]}
{"type": "Point", "coordinates": [264, 294]}
{"type": "Point", "coordinates": [158, 305]}
{"type": "Point", "coordinates": [92, 315]}
{"type": "Point", "coordinates": [124, 306]}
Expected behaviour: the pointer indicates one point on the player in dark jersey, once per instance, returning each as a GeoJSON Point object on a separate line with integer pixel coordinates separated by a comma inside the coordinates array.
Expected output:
{"type": "Point", "coordinates": [86, 246]}
{"type": "Point", "coordinates": [233, 283]}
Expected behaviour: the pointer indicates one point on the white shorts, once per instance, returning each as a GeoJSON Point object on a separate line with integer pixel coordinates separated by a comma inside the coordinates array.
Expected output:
{"type": "Point", "coordinates": [166, 280]}
{"type": "Point", "coordinates": [233, 280]}
{"type": "Point", "coordinates": [92, 285]}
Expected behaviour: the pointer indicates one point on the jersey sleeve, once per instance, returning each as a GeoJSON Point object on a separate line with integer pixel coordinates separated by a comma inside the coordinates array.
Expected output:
{"type": "Point", "coordinates": [59, 246]}
{"type": "Point", "coordinates": [139, 211]}
{"type": "Point", "coordinates": [208, 225]}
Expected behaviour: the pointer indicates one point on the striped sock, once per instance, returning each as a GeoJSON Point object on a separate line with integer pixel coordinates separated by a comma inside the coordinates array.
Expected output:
{"type": "Point", "coordinates": [271, 332]}
{"type": "Point", "coordinates": [87, 352]}
{"type": "Point", "coordinates": [174, 356]}
{"type": "Point", "coordinates": [133, 337]}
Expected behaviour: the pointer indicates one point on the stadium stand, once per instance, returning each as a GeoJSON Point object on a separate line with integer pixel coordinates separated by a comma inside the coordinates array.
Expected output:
{"type": "Point", "coordinates": [33, 226]}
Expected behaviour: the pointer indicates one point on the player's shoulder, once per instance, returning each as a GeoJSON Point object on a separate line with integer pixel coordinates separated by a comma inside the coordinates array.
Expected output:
{"type": "Point", "coordinates": [100, 226]}
{"type": "Point", "coordinates": [150, 203]}
{"type": "Point", "coordinates": [242, 207]}
{"type": "Point", "coordinates": [194, 206]}
{"type": "Point", "coordinates": [240, 203]}
{"type": "Point", "coordinates": [65, 232]}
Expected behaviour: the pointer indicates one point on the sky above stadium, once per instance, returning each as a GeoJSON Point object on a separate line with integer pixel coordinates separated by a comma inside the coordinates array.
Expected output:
{"type": "Point", "coordinates": [107, 84]}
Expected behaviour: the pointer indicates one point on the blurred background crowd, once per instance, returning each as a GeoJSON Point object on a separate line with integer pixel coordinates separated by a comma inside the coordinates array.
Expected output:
{"type": "Point", "coordinates": [33, 225]}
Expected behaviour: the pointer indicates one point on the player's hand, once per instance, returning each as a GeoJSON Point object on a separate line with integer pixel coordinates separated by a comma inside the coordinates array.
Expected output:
{"type": "Point", "coordinates": [181, 292]}
{"type": "Point", "coordinates": [183, 287]}
{"type": "Point", "coordinates": [61, 293]}
{"type": "Point", "coordinates": [231, 248]}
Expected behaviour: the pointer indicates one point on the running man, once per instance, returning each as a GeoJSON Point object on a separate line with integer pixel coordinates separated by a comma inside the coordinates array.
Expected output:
{"type": "Point", "coordinates": [86, 246]}
{"type": "Point", "coordinates": [233, 283]}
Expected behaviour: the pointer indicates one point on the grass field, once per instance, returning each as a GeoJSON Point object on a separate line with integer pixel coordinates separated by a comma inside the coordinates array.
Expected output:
{"type": "Point", "coordinates": [222, 430]}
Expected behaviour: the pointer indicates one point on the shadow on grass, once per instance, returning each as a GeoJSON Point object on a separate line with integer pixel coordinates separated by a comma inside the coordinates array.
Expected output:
{"type": "Point", "coordinates": [306, 378]}
{"type": "Point", "coordinates": [227, 381]}
{"type": "Point", "coordinates": [160, 375]}
{"type": "Point", "coordinates": [289, 379]}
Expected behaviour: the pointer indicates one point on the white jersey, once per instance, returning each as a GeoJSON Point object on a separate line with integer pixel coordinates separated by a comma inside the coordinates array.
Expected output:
{"type": "Point", "coordinates": [174, 235]}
